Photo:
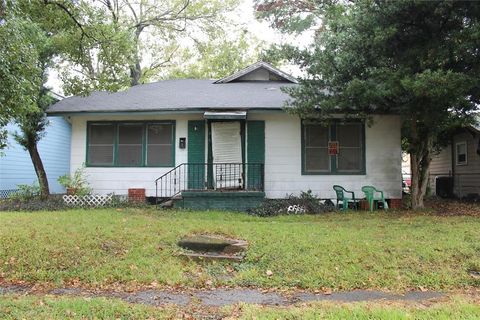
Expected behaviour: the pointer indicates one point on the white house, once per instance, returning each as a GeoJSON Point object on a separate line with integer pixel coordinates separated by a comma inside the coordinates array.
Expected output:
{"type": "Point", "coordinates": [179, 136]}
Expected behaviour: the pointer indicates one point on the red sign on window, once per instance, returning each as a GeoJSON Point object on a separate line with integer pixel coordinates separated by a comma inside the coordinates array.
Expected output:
{"type": "Point", "coordinates": [332, 148]}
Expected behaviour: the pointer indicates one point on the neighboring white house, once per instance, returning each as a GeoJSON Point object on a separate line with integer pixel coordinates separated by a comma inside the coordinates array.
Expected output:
{"type": "Point", "coordinates": [455, 171]}
{"type": "Point", "coordinates": [129, 139]}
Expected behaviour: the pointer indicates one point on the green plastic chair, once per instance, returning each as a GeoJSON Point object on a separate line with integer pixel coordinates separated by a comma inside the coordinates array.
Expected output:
{"type": "Point", "coordinates": [372, 194]}
{"type": "Point", "coordinates": [340, 191]}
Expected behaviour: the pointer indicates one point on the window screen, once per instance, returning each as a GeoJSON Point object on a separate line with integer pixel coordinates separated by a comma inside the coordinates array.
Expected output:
{"type": "Point", "coordinates": [130, 138]}
{"type": "Point", "coordinates": [101, 144]}
{"type": "Point", "coordinates": [350, 154]}
{"type": "Point", "coordinates": [316, 148]}
{"type": "Point", "coordinates": [159, 144]}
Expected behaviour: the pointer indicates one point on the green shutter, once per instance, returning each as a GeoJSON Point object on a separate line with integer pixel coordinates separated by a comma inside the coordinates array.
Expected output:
{"type": "Point", "coordinates": [196, 154]}
{"type": "Point", "coordinates": [255, 153]}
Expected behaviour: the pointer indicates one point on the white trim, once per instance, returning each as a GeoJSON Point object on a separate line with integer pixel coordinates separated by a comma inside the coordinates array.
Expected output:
{"type": "Point", "coordinates": [466, 153]}
{"type": "Point", "coordinates": [254, 67]}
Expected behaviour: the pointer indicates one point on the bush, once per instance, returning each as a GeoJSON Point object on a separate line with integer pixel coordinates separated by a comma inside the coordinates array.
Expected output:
{"type": "Point", "coordinates": [305, 203]}
{"type": "Point", "coordinates": [77, 183]}
{"type": "Point", "coordinates": [26, 192]}
{"type": "Point", "coordinates": [52, 203]}
{"type": "Point", "coordinates": [56, 203]}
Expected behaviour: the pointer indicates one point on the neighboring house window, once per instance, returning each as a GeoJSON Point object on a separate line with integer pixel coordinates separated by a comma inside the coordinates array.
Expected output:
{"type": "Point", "coordinates": [130, 144]}
{"type": "Point", "coordinates": [461, 151]}
{"type": "Point", "coordinates": [349, 158]}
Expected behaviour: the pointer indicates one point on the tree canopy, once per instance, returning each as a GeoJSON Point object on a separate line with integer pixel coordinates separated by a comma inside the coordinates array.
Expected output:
{"type": "Point", "coordinates": [417, 59]}
{"type": "Point", "coordinates": [112, 44]}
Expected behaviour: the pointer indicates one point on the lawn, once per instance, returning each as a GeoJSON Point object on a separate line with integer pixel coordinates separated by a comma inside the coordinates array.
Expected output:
{"type": "Point", "coordinates": [51, 308]}
{"type": "Point", "coordinates": [137, 247]}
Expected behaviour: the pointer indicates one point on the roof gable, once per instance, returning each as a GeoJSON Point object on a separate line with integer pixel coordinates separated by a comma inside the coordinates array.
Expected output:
{"type": "Point", "coordinates": [260, 71]}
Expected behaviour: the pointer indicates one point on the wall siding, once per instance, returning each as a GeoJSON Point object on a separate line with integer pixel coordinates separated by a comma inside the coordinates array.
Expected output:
{"type": "Point", "coordinates": [467, 177]}
{"type": "Point", "coordinates": [440, 166]}
{"type": "Point", "coordinates": [54, 148]}
{"type": "Point", "coordinates": [282, 158]}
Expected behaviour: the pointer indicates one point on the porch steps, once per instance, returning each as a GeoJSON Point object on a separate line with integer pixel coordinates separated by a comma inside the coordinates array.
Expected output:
{"type": "Point", "coordinates": [171, 202]}
{"type": "Point", "coordinates": [220, 200]}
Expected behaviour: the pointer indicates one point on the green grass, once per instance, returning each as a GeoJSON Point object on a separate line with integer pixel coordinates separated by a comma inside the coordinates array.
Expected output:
{"type": "Point", "coordinates": [458, 309]}
{"type": "Point", "coordinates": [52, 308]}
{"type": "Point", "coordinates": [136, 247]}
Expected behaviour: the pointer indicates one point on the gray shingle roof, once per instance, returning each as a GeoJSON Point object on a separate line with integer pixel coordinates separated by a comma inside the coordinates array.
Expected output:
{"type": "Point", "coordinates": [172, 95]}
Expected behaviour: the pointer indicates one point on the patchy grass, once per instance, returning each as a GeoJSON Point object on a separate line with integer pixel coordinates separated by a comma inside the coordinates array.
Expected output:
{"type": "Point", "coordinates": [457, 309]}
{"type": "Point", "coordinates": [137, 247]}
{"type": "Point", "coordinates": [35, 307]}
{"type": "Point", "coordinates": [51, 308]}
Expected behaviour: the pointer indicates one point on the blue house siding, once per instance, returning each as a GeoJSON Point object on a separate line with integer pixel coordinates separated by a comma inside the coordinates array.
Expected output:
{"type": "Point", "coordinates": [54, 148]}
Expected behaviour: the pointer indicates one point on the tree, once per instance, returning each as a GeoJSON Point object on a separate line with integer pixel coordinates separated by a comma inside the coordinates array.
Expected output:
{"type": "Point", "coordinates": [417, 59]}
{"type": "Point", "coordinates": [24, 58]}
{"type": "Point", "coordinates": [117, 44]}
{"type": "Point", "coordinates": [216, 58]}
{"type": "Point", "coordinates": [19, 70]}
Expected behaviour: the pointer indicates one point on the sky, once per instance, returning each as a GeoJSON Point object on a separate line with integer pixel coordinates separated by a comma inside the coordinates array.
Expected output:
{"type": "Point", "coordinates": [244, 15]}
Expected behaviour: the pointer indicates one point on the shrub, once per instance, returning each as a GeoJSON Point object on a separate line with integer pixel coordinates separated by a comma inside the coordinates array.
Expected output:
{"type": "Point", "coordinates": [52, 203]}
{"type": "Point", "coordinates": [77, 183]}
{"type": "Point", "coordinates": [26, 192]}
{"type": "Point", "coordinates": [305, 203]}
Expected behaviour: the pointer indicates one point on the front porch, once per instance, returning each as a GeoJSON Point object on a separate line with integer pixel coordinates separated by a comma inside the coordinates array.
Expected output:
{"type": "Point", "coordinates": [228, 186]}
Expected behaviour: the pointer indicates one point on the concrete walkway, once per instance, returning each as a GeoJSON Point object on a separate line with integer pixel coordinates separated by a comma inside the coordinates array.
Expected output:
{"type": "Point", "coordinates": [223, 297]}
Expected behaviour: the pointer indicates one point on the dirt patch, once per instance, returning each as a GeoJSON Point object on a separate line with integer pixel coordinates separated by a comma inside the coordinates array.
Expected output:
{"type": "Point", "coordinates": [451, 207]}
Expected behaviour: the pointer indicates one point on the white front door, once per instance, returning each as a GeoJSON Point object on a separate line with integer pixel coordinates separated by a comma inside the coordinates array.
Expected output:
{"type": "Point", "coordinates": [227, 155]}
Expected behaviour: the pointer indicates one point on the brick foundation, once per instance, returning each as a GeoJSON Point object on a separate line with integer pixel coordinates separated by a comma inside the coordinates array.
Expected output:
{"type": "Point", "coordinates": [136, 195]}
{"type": "Point", "coordinates": [395, 203]}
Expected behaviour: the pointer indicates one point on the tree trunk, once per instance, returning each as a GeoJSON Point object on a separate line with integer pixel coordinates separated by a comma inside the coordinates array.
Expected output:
{"type": "Point", "coordinates": [420, 166]}
{"type": "Point", "coordinates": [135, 67]}
{"type": "Point", "coordinates": [39, 170]}
{"type": "Point", "coordinates": [135, 73]}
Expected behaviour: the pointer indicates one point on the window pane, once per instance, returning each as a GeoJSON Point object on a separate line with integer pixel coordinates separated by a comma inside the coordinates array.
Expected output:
{"type": "Point", "coordinates": [159, 145]}
{"type": "Point", "coordinates": [159, 155]}
{"type": "Point", "coordinates": [316, 151]}
{"type": "Point", "coordinates": [350, 155]}
{"type": "Point", "coordinates": [130, 145]}
{"type": "Point", "coordinates": [316, 136]}
{"type": "Point", "coordinates": [160, 134]}
{"type": "Point", "coordinates": [349, 135]}
{"type": "Point", "coordinates": [101, 134]}
{"type": "Point", "coordinates": [100, 144]}
{"type": "Point", "coordinates": [317, 159]}
{"type": "Point", "coordinates": [129, 155]}
{"type": "Point", "coordinates": [130, 134]}
{"type": "Point", "coordinates": [461, 153]}
{"type": "Point", "coordinates": [350, 159]}
{"type": "Point", "coordinates": [100, 155]}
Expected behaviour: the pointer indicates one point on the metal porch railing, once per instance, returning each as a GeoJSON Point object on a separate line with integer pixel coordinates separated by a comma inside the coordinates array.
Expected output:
{"type": "Point", "coordinates": [213, 176]}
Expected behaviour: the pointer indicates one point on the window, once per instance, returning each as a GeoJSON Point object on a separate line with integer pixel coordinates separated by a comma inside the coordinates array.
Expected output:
{"type": "Point", "coordinates": [101, 144]}
{"type": "Point", "coordinates": [316, 148]}
{"type": "Point", "coordinates": [159, 144]}
{"type": "Point", "coordinates": [350, 158]}
{"type": "Point", "coordinates": [350, 151]}
{"type": "Point", "coordinates": [130, 144]}
{"type": "Point", "coordinates": [129, 150]}
{"type": "Point", "coordinates": [461, 153]}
